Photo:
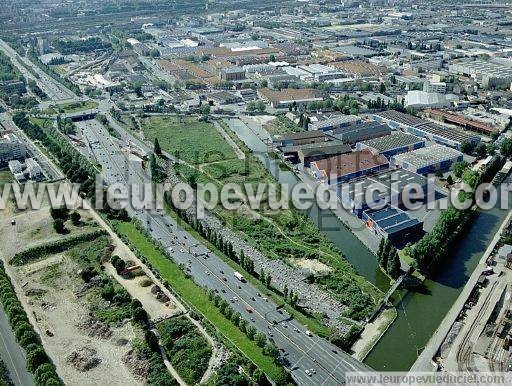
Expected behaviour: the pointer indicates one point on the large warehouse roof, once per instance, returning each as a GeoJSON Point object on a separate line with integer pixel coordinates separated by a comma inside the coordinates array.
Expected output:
{"type": "Point", "coordinates": [429, 128]}
{"type": "Point", "coordinates": [388, 183]}
{"type": "Point", "coordinates": [428, 156]}
{"type": "Point", "coordinates": [392, 141]}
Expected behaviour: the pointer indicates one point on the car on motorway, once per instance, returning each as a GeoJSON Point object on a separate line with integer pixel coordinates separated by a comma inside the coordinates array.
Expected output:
{"type": "Point", "coordinates": [308, 333]}
{"type": "Point", "coordinates": [308, 373]}
{"type": "Point", "coordinates": [249, 310]}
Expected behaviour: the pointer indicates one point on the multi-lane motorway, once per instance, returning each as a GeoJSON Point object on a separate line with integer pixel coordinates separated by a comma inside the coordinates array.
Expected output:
{"type": "Point", "coordinates": [326, 363]}
{"type": "Point", "coordinates": [57, 92]}
{"type": "Point", "coordinates": [310, 359]}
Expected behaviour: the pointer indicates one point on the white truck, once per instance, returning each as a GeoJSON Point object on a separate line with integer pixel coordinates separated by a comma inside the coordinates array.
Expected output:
{"type": "Point", "coordinates": [239, 276]}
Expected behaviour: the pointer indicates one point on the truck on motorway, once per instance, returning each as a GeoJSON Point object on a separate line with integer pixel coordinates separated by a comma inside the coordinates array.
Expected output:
{"type": "Point", "coordinates": [239, 276]}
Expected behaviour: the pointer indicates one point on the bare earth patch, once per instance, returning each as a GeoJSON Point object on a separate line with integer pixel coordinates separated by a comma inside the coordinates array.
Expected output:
{"type": "Point", "coordinates": [314, 266]}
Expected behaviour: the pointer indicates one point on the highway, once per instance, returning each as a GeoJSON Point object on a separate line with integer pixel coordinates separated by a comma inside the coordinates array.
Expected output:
{"type": "Point", "coordinates": [55, 90]}
{"type": "Point", "coordinates": [299, 351]}
{"type": "Point", "coordinates": [12, 354]}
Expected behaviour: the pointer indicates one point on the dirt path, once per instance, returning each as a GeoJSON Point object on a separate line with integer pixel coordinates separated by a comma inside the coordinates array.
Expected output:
{"type": "Point", "coordinates": [239, 153]}
{"type": "Point", "coordinates": [123, 251]}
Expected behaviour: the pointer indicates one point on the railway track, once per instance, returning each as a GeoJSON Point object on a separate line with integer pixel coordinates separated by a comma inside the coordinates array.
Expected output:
{"type": "Point", "coordinates": [465, 348]}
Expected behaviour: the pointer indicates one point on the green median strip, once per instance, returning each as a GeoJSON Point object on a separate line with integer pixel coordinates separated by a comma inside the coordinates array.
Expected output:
{"type": "Point", "coordinates": [194, 295]}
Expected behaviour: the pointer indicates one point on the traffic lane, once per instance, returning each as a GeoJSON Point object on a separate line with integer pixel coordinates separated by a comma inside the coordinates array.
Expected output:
{"type": "Point", "coordinates": [312, 346]}
{"type": "Point", "coordinates": [234, 290]}
{"type": "Point", "coordinates": [330, 353]}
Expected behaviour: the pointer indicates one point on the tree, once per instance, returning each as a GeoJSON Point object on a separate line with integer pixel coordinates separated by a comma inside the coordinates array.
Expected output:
{"type": "Point", "coordinates": [506, 147]}
{"type": "Point", "coordinates": [140, 316]}
{"type": "Point", "coordinates": [381, 247]}
{"type": "Point", "coordinates": [393, 267]}
{"type": "Point", "coordinates": [270, 350]}
{"type": "Point", "coordinates": [471, 178]}
{"type": "Point", "coordinates": [157, 148]}
{"type": "Point", "coordinates": [75, 218]}
{"type": "Point", "coordinates": [449, 180]}
{"type": "Point", "coordinates": [250, 332]}
{"type": "Point", "coordinates": [260, 339]}
{"type": "Point", "coordinates": [205, 109]}
{"type": "Point", "coordinates": [62, 212]}
{"type": "Point", "coordinates": [467, 147]}
{"type": "Point", "coordinates": [58, 225]}
{"type": "Point", "coordinates": [382, 88]}
{"type": "Point", "coordinates": [458, 168]}
{"type": "Point", "coordinates": [36, 358]}
{"type": "Point", "coordinates": [481, 150]}
{"type": "Point", "coordinates": [384, 257]}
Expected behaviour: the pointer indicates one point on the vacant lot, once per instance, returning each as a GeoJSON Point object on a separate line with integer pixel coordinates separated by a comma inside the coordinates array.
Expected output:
{"type": "Point", "coordinates": [281, 125]}
{"type": "Point", "coordinates": [187, 138]}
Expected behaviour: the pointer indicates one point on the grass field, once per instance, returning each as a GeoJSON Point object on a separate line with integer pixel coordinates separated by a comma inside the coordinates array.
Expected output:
{"type": "Point", "coordinates": [5, 177]}
{"type": "Point", "coordinates": [195, 296]}
{"type": "Point", "coordinates": [189, 139]}
{"type": "Point", "coordinates": [72, 107]}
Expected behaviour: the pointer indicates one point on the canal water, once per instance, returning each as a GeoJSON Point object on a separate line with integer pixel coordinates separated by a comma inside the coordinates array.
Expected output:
{"type": "Point", "coordinates": [353, 249]}
{"type": "Point", "coordinates": [419, 313]}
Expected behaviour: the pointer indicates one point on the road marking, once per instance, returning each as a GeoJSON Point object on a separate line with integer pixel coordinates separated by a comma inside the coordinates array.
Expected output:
{"type": "Point", "coordinates": [10, 357]}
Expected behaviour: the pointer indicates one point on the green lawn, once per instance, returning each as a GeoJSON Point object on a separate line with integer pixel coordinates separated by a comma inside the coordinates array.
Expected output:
{"type": "Point", "coordinates": [282, 125]}
{"type": "Point", "coordinates": [5, 177]}
{"type": "Point", "coordinates": [189, 139]}
{"type": "Point", "coordinates": [72, 107]}
{"type": "Point", "coordinates": [197, 298]}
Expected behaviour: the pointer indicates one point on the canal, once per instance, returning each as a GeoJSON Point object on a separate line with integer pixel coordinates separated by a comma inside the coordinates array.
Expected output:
{"type": "Point", "coordinates": [419, 313]}
{"type": "Point", "coordinates": [332, 227]}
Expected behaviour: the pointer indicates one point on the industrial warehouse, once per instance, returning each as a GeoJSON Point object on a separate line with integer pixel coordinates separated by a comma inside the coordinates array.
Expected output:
{"type": "Point", "coordinates": [427, 160]}
{"type": "Point", "coordinates": [443, 135]}
{"type": "Point", "coordinates": [387, 187]}
{"type": "Point", "coordinates": [392, 144]}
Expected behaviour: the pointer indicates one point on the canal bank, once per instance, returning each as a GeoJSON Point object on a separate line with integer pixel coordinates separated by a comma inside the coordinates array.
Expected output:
{"type": "Point", "coordinates": [419, 313]}
{"type": "Point", "coordinates": [358, 254]}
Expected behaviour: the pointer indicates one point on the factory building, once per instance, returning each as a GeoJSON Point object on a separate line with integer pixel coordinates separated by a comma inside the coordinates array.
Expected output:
{"type": "Point", "coordinates": [393, 224]}
{"type": "Point", "coordinates": [327, 122]}
{"type": "Point", "coordinates": [443, 135]}
{"type": "Point", "coordinates": [308, 153]}
{"type": "Point", "coordinates": [392, 144]}
{"type": "Point", "coordinates": [345, 167]}
{"type": "Point", "coordinates": [359, 131]}
{"type": "Point", "coordinates": [232, 74]}
{"type": "Point", "coordinates": [427, 160]}
{"type": "Point", "coordinates": [435, 87]}
{"type": "Point", "coordinates": [11, 148]}
{"type": "Point", "coordinates": [449, 117]}
{"type": "Point", "coordinates": [490, 75]}
{"type": "Point", "coordinates": [296, 139]}
{"type": "Point", "coordinates": [386, 188]}
{"type": "Point", "coordinates": [290, 97]}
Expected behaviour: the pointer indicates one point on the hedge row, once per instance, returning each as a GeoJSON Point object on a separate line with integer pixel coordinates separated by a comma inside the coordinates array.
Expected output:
{"type": "Point", "coordinates": [58, 246]}
{"type": "Point", "coordinates": [38, 363]}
